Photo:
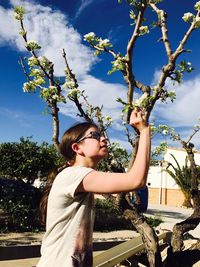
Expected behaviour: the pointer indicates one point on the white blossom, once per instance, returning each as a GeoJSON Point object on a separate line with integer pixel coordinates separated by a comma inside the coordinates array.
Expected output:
{"type": "Point", "coordinates": [187, 17]}
{"type": "Point", "coordinates": [73, 92]}
{"type": "Point", "coordinates": [165, 132]}
{"type": "Point", "coordinates": [69, 84]}
{"type": "Point", "coordinates": [88, 36]}
{"type": "Point", "coordinates": [197, 5]}
{"type": "Point", "coordinates": [104, 43]}
{"type": "Point", "coordinates": [144, 30]}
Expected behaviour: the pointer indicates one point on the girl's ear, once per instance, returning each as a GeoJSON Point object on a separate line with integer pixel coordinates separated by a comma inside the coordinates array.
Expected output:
{"type": "Point", "coordinates": [75, 147]}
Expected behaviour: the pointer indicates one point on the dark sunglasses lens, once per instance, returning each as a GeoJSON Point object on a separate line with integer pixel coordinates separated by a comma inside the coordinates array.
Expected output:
{"type": "Point", "coordinates": [96, 135]}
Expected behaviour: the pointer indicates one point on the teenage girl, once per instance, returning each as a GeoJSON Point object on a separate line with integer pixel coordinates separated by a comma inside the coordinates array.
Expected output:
{"type": "Point", "coordinates": [67, 205]}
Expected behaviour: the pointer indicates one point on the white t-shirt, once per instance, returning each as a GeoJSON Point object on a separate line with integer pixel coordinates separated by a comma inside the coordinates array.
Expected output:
{"type": "Point", "coordinates": [70, 218]}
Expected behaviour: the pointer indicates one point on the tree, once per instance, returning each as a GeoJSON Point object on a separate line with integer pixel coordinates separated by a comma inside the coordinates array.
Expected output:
{"type": "Point", "coordinates": [27, 160]}
{"type": "Point", "coordinates": [190, 223]}
{"type": "Point", "coordinates": [41, 76]}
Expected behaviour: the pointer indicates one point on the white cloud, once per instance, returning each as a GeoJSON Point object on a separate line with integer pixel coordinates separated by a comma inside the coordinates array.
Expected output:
{"type": "Point", "coordinates": [52, 31]}
{"type": "Point", "coordinates": [183, 114]}
{"type": "Point", "coordinates": [185, 109]}
{"type": "Point", "coordinates": [84, 4]}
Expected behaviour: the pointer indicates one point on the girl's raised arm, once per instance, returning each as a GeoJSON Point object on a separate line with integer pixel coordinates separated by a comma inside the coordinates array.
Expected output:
{"type": "Point", "coordinates": [102, 182]}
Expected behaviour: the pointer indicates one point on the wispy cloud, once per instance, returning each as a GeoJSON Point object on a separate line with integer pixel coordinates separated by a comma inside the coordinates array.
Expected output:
{"type": "Point", "coordinates": [184, 112]}
{"type": "Point", "coordinates": [84, 4]}
{"type": "Point", "coordinates": [52, 30]}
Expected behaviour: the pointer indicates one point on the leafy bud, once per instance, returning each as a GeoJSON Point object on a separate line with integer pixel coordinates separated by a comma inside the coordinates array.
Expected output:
{"type": "Point", "coordinates": [197, 6]}
{"type": "Point", "coordinates": [188, 17]}
{"type": "Point", "coordinates": [32, 45]}
{"type": "Point", "coordinates": [19, 13]}
{"type": "Point", "coordinates": [144, 30]}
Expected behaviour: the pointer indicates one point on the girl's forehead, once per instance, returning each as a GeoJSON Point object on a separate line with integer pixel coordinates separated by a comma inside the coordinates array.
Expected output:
{"type": "Point", "coordinates": [92, 129]}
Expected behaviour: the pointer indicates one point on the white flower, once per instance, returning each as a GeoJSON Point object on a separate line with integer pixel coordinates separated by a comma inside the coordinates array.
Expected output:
{"type": "Point", "coordinates": [39, 81]}
{"type": "Point", "coordinates": [139, 102]}
{"type": "Point", "coordinates": [165, 132]}
{"type": "Point", "coordinates": [187, 17]}
{"type": "Point", "coordinates": [108, 118]}
{"type": "Point", "coordinates": [144, 30]}
{"type": "Point", "coordinates": [104, 43]}
{"type": "Point", "coordinates": [89, 36]}
{"type": "Point", "coordinates": [197, 5]}
{"type": "Point", "coordinates": [69, 84]}
{"type": "Point", "coordinates": [31, 45]}
{"type": "Point", "coordinates": [73, 93]}
{"type": "Point", "coordinates": [32, 61]}
{"type": "Point", "coordinates": [28, 87]}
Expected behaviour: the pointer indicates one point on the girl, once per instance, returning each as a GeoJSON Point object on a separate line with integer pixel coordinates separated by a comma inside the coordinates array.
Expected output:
{"type": "Point", "coordinates": [69, 223]}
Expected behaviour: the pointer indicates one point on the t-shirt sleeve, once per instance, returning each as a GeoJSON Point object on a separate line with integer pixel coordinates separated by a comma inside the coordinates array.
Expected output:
{"type": "Point", "coordinates": [77, 175]}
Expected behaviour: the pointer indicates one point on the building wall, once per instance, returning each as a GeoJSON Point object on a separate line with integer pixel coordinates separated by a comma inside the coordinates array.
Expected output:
{"type": "Point", "coordinates": [171, 197]}
{"type": "Point", "coordinates": [162, 187]}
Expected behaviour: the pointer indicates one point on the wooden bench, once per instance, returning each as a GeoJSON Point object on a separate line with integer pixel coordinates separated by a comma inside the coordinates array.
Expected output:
{"type": "Point", "coordinates": [123, 251]}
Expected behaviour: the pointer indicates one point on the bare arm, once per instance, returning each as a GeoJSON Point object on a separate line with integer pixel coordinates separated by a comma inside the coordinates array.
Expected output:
{"type": "Point", "coordinates": [101, 182]}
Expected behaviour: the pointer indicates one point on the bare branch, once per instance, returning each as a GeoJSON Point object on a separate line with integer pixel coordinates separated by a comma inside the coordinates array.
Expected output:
{"type": "Point", "coordinates": [21, 62]}
{"type": "Point", "coordinates": [192, 135]}
{"type": "Point", "coordinates": [180, 48]}
{"type": "Point", "coordinates": [163, 25]}
{"type": "Point", "coordinates": [129, 78]}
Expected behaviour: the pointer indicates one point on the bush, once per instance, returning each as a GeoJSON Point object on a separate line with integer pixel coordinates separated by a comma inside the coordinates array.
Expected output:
{"type": "Point", "coordinates": [108, 218]}
{"type": "Point", "coordinates": [19, 204]}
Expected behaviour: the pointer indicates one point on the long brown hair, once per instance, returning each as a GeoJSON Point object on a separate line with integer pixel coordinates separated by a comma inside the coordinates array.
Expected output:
{"type": "Point", "coordinates": [69, 137]}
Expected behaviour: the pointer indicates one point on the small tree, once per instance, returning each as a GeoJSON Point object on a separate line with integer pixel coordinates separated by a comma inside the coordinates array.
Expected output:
{"type": "Point", "coordinates": [190, 223]}
{"type": "Point", "coordinates": [27, 160]}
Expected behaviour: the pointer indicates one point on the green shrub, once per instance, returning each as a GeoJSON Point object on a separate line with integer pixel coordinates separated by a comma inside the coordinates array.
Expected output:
{"type": "Point", "coordinates": [108, 218]}
{"type": "Point", "coordinates": [19, 204]}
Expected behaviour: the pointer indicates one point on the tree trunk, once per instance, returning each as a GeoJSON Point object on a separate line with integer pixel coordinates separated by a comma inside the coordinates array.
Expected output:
{"type": "Point", "coordinates": [147, 232]}
{"type": "Point", "coordinates": [180, 228]}
{"type": "Point", "coordinates": [191, 222]}
{"type": "Point", "coordinates": [187, 201]}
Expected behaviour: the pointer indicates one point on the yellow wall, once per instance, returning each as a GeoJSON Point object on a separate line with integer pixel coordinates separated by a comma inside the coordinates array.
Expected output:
{"type": "Point", "coordinates": [171, 197]}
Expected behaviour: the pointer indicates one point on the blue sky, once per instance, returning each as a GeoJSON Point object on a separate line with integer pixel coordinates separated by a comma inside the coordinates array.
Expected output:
{"type": "Point", "coordinates": [62, 24]}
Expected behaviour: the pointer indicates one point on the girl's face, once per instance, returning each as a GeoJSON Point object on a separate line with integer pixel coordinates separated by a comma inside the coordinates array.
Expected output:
{"type": "Point", "coordinates": [93, 144]}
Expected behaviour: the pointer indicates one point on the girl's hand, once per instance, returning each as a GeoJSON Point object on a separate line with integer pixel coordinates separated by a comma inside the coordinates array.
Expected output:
{"type": "Point", "coordinates": [137, 121]}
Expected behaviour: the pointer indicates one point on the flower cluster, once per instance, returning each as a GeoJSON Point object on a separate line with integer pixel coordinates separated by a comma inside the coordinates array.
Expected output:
{"type": "Point", "coordinates": [29, 87]}
{"type": "Point", "coordinates": [132, 15]}
{"type": "Point", "coordinates": [73, 93]}
{"type": "Point", "coordinates": [118, 64]}
{"type": "Point", "coordinates": [188, 17]}
{"type": "Point", "coordinates": [19, 13]}
{"type": "Point", "coordinates": [144, 30]}
{"type": "Point", "coordinates": [172, 95]}
{"type": "Point", "coordinates": [141, 102]}
{"type": "Point", "coordinates": [197, 6]}
{"type": "Point", "coordinates": [51, 93]}
{"type": "Point", "coordinates": [70, 84]}
{"type": "Point", "coordinates": [99, 43]}
{"type": "Point", "coordinates": [32, 45]}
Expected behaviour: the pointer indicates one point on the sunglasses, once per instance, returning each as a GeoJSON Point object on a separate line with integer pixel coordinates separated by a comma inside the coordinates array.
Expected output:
{"type": "Point", "coordinates": [92, 135]}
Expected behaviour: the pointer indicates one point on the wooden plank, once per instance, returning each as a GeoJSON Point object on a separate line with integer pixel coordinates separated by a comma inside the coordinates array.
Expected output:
{"type": "Point", "coordinates": [121, 252]}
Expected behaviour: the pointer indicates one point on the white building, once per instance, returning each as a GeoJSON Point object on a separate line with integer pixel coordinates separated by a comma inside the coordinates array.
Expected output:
{"type": "Point", "coordinates": [162, 187]}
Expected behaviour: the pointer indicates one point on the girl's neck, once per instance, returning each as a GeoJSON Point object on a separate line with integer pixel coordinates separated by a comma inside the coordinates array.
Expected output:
{"type": "Point", "coordinates": [85, 163]}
